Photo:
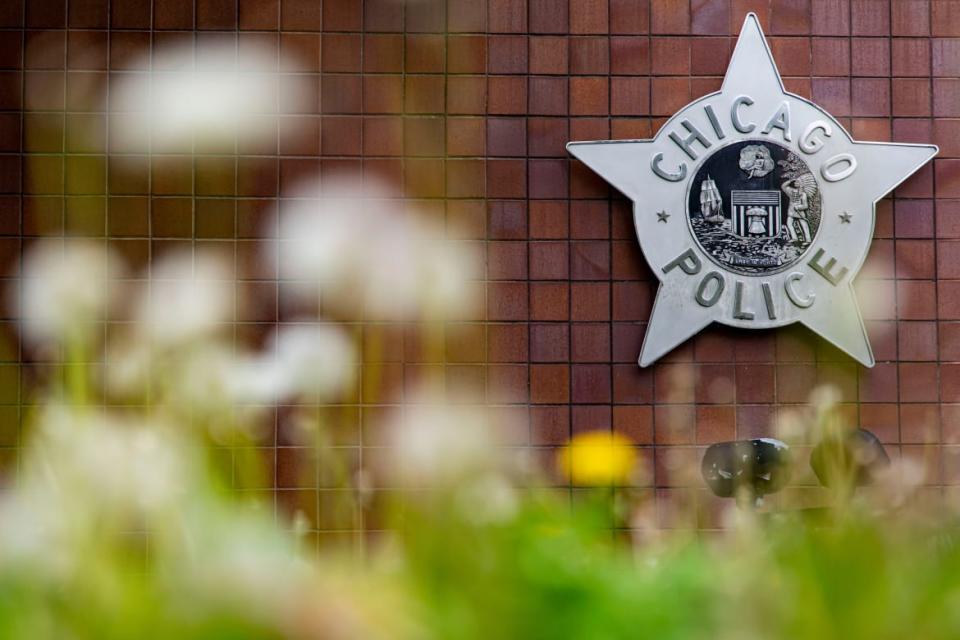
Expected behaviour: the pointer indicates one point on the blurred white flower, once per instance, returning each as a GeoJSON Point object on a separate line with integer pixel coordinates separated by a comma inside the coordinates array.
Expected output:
{"type": "Point", "coordinates": [316, 360]}
{"type": "Point", "coordinates": [204, 377]}
{"type": "Point", "coordinates": [65, 289]}
{"type": "Point", "coordinates": [436, 444]}
{"type": "Point", "coordinates": [82, 470]}
{"type": "Point", "coordinates": [237, 558]}
{"type": "Point", "coordinates": [120, 466]}
{"type": "Point", "coordinates": [205, 93]}
{"type": "Point", "coordinates": [489, 499]}
{"type": "Point", "coordinates": [876, 294]}
{"type": "Point", "coordinates": [34, 533]}
{"type": "Point", "coordinates": [824, 398]}
{"type": "Point", "coordinates": [190, 295]}
{"type": "Point", "coordinates": [362, 245]}
{"type": "Point", "coordinates": [792, 426]}
{"type": "Point", "coordinates": [127, 365]}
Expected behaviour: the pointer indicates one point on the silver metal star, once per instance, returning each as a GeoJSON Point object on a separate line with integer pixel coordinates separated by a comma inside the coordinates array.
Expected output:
{"type": "Point", "coordinates": [662, 216]}
{"type": "Point", "coordinates": [845, 218]}
{"type": "Point", "coordinates": [815, 287]}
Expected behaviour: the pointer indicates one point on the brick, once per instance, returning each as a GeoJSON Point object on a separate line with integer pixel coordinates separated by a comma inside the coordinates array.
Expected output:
{"type": "Point", "coordinates": [507, 136]}
{"type": "Point", "coordinates": [549, 301]}
{"type": "Point", "coordinates": [670, 56]}
{"type": "Point", "coordinates": [424, 53]}
{"type": "Point", "coordinates": [675, 424]}
{"type": "Point", "coordinates": [550, 342]}
{"type": "Point", "coordinates": [871, 57]}
{"type": "Point", "coordinates": [669, 17]}
{"type": "Point", "coordinates": [466, 94]}
{"type": "Point", "coordinates": [911, 57]}
{"type": "Point", "coordinates": [507, 54]}
{"type": "Point", "coordinates": [634, 422]}
{"type": "Point", "coordinates": [507, 260]}
{"type": "Point", "coordinates": [630, 96]}
{"type": "Point", "coordinates": [549, 383]}
{"type": "Point", "coordinates": [589, 55]}
{"type": "Point", "coordinates": [507, 16]}
{"type": "Point", "coordinates": [911, 97]}
{"type": "Point", "coordinates": [831, 56]}
{"type": "Point", "coordinates": [946, 97]}
{"type": "Point", "coordinates": [669, 95]}
{"type": "Point", "coordinates": [910, 17]}
{"type": "Point", "coordinates": [589, 96]}
{"type": "Point", "coordinates": [589, 219]}
{"type": "Point", "coordinates": [915, 259]}
{"type": "Point", "coordinates": [755, 384]}
{"type": "Point", "coordinates": [590, 342]}
{"type": "Point", "coordinates": [919, 423]}
{"type": "Point", "coordinates": [917, 340]}
{"type": "Point", "coordinates": [629, 16]}
{"type": "Point", "coordinates": [547, 16]}
{"type": "Point", "coordinates": [833, 94]}
{"type": "Point", "coordinates": [870, 97]}
{"type": "Point", "coordinates": [507, 301]}
{"type": "Point", "coordinates": [948, 178]}
{"type": "Point", "coordinates": [548, 178]}
{"type": "Point", "coordinates": [549, 425]}
{"type": "Point", "coordinates": [944, 18]}
{"type": "Point", "coordinates": [870, 17]}
{"type": "Point", "coordinates": [918, 382]}
{"type": "Point", "coordinates": [506, 178]}
{"type": "Point", "coordinates": [949, 342]}
{"type": "Point", "coordinates": [792, 55]}
{"type": "Point", "coordinates": [830, 17]}
{"type": "Point", "coordinates": [716, 424]}
{"type": "Point", "coordinates": [948, 300]}
{"type": "Point", "coordinates": [950, 383]}
{"type": "Point", "coordinates": [548, 55]}
{"type": "Point", "coordinates": [590, 301]}
{"type": "Point", "coordinates": [547, 137]}
{"type": "Point", "coordinates": [709, 17]}
{"type": "Point", "coordinates": [588, 16]}
{"type": "Point", "coordinates": [710, 56]}
{"type": "Point", "coordinates": [466, 16]}
{"type": "Point", "coordinates": [715, 384]}
{"type": "Point", "coordinates": [466, 54]}
{"type": "Point", "coordinates": [506, 95]}
{"type": "Point", "coordinates": [465, 137]}
{"type": "Point", "coordinates": [790, 17]}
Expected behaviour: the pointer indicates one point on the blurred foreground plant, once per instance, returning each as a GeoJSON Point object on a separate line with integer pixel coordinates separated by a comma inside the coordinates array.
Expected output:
{"type": "Point", "coordinates": [125, 520]}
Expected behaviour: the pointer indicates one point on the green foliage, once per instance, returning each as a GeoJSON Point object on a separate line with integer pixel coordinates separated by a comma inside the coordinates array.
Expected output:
{"type": "Point", "coordinates": [137, 520]}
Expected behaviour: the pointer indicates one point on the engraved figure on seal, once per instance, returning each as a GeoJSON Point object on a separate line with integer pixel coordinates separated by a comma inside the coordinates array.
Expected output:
{"type": "Point", "coordinates": [756, 161]}
{"type": "Point", "coordinates": [799, 190]}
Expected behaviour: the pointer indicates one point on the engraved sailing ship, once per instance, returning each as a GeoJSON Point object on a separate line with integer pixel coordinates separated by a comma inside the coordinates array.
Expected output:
{"type": "Point", "coordinates": [711, 205]}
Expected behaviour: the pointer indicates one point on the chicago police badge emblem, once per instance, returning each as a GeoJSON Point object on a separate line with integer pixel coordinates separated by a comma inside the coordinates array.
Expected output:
{"type": "Point", "coordinates": [753, 207]}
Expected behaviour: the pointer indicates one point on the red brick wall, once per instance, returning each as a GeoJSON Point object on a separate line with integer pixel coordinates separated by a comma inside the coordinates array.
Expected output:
{"type": "Point", "coordinates": [468, 104]}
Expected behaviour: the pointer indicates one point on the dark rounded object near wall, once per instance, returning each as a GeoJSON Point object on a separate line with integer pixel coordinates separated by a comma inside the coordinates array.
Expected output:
{"type": "Point", "coordinates": [756, 467]}
{"type": "Point", "coordinates": [855, 459]}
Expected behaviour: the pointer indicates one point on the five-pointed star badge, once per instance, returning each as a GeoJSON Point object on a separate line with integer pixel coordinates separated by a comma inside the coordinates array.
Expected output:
{"type": "Point", "coordinates": [776, 207]}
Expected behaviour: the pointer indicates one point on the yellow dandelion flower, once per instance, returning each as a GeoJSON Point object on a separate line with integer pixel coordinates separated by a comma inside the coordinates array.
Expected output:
{"type": "Point", "coordinates": [596, 458]}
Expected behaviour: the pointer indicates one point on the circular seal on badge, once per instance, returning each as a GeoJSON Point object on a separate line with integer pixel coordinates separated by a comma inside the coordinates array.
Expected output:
{"type": "Point", "coordinates": [754, 207]}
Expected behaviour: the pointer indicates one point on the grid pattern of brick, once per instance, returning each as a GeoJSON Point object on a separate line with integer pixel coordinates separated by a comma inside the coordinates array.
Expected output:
{"type": "Point", "coordinates": [468, 105]}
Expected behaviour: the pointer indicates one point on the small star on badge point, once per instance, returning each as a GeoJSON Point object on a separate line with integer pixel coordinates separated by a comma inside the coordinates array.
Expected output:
{"type": "Point", "coordinates": [845, 217]}
{"type": "Point", "coordinates": [662, 216]}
